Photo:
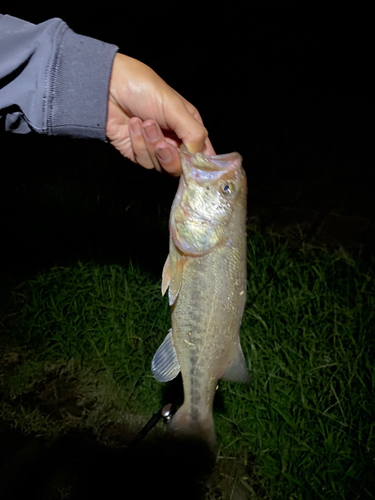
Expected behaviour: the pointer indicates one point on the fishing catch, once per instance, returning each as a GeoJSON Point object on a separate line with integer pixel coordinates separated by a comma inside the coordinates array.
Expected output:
{"type": "Point", "coordinates": [205, 273]}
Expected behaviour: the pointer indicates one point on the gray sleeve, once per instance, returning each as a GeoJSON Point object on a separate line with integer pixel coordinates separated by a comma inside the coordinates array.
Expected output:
{"type": "Point", "coordinates": [52, 80]}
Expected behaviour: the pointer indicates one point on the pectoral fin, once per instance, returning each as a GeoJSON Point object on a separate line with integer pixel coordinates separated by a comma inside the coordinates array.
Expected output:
{"type": "Point", "coordinates": [176, 280]}
{"type": "Point", "coordinates": [172, 275]}
{"type": "Point", "coordinates": [166, 276]}
{"type": "Point", "coordinates": [165, 365]}
{"type": "Point", "coordinates": [237, 370]}
{"type": "Point", "coordinates": [176, 267]}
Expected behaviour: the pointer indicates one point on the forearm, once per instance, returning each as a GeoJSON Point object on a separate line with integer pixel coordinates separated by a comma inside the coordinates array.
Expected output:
{"type": "Point", "coordinates": [52, 80]}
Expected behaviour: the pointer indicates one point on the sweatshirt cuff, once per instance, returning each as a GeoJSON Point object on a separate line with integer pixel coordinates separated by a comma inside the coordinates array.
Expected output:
{"type": "Point", "coordinates": [77, 98]}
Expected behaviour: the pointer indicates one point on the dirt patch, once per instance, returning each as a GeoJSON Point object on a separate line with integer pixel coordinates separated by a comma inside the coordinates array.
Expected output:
{"type": "Point", "coordinates": [49, 399]}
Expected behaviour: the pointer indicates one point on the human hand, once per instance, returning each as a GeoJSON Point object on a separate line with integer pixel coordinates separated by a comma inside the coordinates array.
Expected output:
{"type": "Point", "coordinates": [148, 120]}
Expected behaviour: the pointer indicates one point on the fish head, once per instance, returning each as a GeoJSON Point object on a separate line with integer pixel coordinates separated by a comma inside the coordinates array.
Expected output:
{"type": "Point", "coordinates": [210, 190]}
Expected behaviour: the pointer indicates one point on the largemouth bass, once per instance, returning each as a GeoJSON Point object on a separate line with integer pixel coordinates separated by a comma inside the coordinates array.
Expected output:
{"type": "Point", "coordinates": [206, 275]}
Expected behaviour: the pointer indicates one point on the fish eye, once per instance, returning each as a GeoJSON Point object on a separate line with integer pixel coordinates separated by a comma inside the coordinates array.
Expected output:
{"type": "Point", "coordinates": [228, 188]}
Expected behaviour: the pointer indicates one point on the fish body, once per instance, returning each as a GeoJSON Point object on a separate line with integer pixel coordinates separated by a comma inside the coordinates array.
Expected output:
{"type": "Point", "coordinates": [206, 276]}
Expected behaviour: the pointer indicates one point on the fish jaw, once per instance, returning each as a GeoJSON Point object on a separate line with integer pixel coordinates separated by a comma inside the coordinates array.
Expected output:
{"type": "Point", "coordinates": [209, 164]}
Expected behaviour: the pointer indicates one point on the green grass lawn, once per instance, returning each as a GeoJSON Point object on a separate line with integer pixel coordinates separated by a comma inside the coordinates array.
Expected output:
{"type": "Point", "coordinates": [304, 428]}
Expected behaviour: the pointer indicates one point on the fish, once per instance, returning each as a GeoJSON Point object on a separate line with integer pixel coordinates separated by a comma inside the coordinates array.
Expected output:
{"type": "Point", "coordinates": [205, 274]}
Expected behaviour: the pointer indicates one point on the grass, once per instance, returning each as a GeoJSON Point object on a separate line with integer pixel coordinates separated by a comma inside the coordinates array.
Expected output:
{"type": "Point", "coordinates": [108, 318]}
{"type": "Point", "coordinates": [309, 411]}
{"type": "Point", "coordinates": [302, 429]}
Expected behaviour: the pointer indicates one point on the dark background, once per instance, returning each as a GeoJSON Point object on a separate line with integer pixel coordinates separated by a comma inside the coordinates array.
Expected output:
{"type": "Point", "coordinates": [288, 84]}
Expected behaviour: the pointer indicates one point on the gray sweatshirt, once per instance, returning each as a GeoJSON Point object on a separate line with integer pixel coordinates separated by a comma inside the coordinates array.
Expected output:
{"type": "Point", "coordinates": [53, 81]}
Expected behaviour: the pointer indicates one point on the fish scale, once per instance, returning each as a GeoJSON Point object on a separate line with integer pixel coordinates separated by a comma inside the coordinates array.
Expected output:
{"type": "Point", "coordinates": [208, 321]}
{"type": "Point", "coordinates": [206, 275]}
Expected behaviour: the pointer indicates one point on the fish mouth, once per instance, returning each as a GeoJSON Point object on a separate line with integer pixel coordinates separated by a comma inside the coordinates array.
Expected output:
{"type": "Point", "coordinates": [207, 164]}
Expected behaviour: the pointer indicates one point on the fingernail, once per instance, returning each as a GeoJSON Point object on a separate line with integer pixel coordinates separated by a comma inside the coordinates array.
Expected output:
{"type": "Point", "coordinates": [136, 128]}
{"type": "Point", "coordinates": [151, 132]}
{"type": "Point", "coordinates": [163, 154]}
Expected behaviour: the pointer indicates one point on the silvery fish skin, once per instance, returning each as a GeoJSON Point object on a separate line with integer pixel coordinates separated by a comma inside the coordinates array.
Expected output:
{"type": "Point", "coordinates": [206, 276]}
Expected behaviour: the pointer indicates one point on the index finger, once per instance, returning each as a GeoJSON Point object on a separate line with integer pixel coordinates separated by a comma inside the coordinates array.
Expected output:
{"type": "Point", "coordinates": [186, 122]}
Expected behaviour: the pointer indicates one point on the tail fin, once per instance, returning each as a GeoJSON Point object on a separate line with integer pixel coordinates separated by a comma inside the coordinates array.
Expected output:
{"type": "Point", "coordinates": [193, 436]}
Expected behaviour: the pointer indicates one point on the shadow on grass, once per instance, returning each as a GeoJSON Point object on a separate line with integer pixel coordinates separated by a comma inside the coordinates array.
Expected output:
{"type": "Point", "coordinates": [76, 466]}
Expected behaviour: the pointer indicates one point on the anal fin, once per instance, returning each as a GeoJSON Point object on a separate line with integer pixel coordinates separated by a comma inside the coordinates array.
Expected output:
{"type": "Point", "coordinates": [237, 370]}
